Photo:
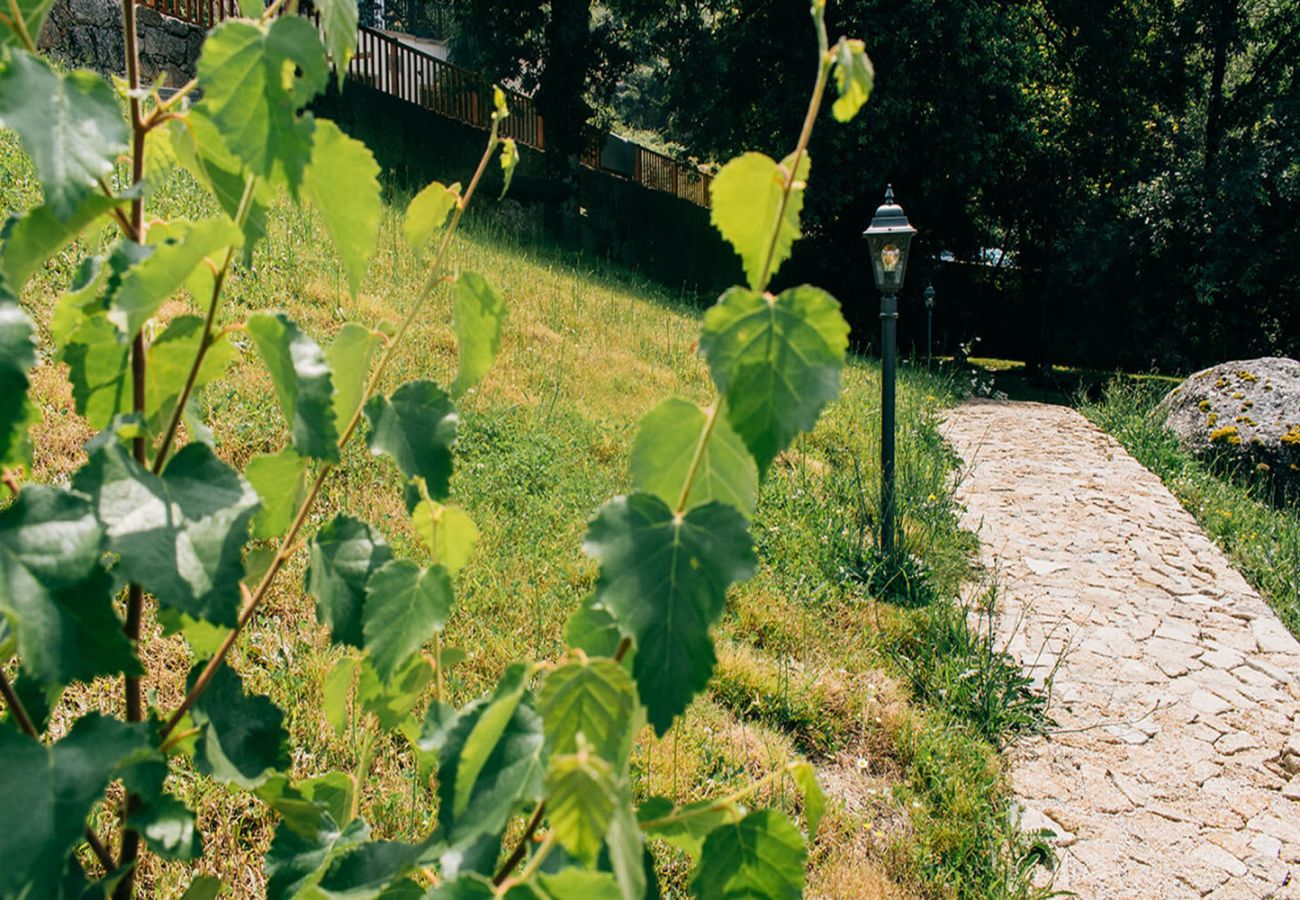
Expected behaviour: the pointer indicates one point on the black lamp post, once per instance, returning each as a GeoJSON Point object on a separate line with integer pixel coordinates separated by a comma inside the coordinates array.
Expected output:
{"type": "Point", "coordinates": [929, 318]}
{"type": "Point", "coordinates": [889, 239]}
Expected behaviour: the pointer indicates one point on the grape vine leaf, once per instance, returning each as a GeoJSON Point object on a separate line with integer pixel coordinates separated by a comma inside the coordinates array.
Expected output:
{"type": "Point", "coordinates": [256, 80]}
{"type": "Point", "coordinates": [336, 689]}
{"type": "Point", "coordinates": [201, 150]}
{"type": "Point", "coordinates": [665, 578]}
{"type": "Point", "coordinates": [568, 884]}
{"type": "Point", "coordinates": [594, 698]}
{"type": "Point", "coordinates": [36, 235]}
{"type": "Point", "coordinates": [747, 209]}
{"type": "Point", "coordinates": [338, 19]}
{"type": "Point", "coordinates": [280, 480]}
{"type": "Point", "coordinates": [294, 863]}
{"type": "Point", "coordinates": [509, 162]}
{"type": "Point", "coordinates": [243, 740]}
{"type": "Point", "coordinates": [178, 250]}
{"type": "Point", "coordinates": [33, 14]}
{"type": "Point", "coordinates": [343, 556]}
{"type": "Point", "coordinates": [170, 357]}
{"type": "Point", "coordinates": [70, 126]}
{"type": "Point", "coordinates": [416, 426]}
{"type": "Point", "coordinates": [467, 887]}
{"type": "Point", "coordinates": [447, 531]}
{"type": "Point", "coordinates": [427, 213]}
{"type": "Point", "coordinates": [17, 356]}
{"type": "Point", "coordinates": [581, 794]}
{"type": "Point", "coordinates": [479, 315]}
{"type": "Point", "coordinates": [168, 828]}
{"type": "Point", "coordinates": [55, 787]}
{"type": "Point", "coordinates": [349, 356]}
{"type": "Point", "coordinates": [351, 215]}
{"type": "Point", "coordinates": [854, 77]}
{"type": "Point", "coordinates": [364, 870]}
{"type": "Point", "coordinates": [405, 606]}
{"type": "Point", "coordinates": [776, 361]}
{"type": "Point", "coordinates": [667, 441]}
{"type": "Point", "coordinates": [591, 629]}
{"type": "Point", "coordinates": [391, 702]}
{"type": "Point", "coordinates": [311, 806]}
{"type": "Point", "coordinates": [687, 826]}
{"type": "Point", "coordinates": [178, 536]}
{"type": "Point", "coordinates": [303, 383]}
{"type": "Point", "coordinates": [491, 760]}
{"type": "Point", "coordinates": [814, 800]}
{"type": "Point", "coordinates": [53, 590]}
{"type": "Point", "coordinates": [762, 855]}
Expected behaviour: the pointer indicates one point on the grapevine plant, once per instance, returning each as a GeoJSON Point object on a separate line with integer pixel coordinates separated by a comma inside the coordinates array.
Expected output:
{"type": "Point", "coordinates": [534, 797]}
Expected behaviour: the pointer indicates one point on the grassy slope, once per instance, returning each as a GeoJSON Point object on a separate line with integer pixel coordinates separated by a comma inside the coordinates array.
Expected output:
{"type": "Point", "coordinates": [1261, 539]}
{"type": "Point", "coordinates": [804, 655]}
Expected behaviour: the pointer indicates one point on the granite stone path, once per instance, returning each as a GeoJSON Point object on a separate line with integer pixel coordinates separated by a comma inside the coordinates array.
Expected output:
{"type": "Point", "coordinates": [1172, 771]}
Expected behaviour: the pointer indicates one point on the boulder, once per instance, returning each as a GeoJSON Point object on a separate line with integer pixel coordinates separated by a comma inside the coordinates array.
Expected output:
{"type": "Point", "coordinates": [1247, 410]}
{"type": "Point", "coordinates": [88, 33]}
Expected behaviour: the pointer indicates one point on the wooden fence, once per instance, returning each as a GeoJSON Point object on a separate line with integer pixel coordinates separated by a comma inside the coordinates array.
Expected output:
{"type": "Point", "coordinates": [204, 13]}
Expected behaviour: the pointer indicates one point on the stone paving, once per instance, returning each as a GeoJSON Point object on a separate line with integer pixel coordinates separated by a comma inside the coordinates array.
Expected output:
{"type": "Point", "coordinates": [1172, 771]}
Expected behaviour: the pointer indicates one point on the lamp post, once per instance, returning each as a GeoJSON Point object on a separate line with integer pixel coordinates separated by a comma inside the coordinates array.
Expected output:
{"type": "Point", "coordinates": [929, 318]}
{"type": "Point", "coordinates": [889, 237]}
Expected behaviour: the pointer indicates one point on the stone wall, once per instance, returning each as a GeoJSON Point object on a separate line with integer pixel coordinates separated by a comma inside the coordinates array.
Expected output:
{"type": "Point", "coordinates": [88, 33]}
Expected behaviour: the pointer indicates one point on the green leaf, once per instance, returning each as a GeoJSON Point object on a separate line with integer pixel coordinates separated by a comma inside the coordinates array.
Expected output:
{"type": "Point", "coordinates": [343, 555]}
{"type": "Point", "coordinates": [312, 806]}
{"type": "Point", "coordinates": [479, 315]}
{"type": "Point", "coordinates": [416, 427]}
{"type": "Point", "coordinates": [168, 829]}
{"type": "Point", "coordinates": [54, 788]}
{"type": "Point", "coordinates": [427, 213]}
{"type": "Point", "coordinates": [294, 864]}
{"type": "Point", "coordinates": [405, 606]}
{"type": "Point", "coordinates": [854, 77]}
{"type": "Point", "coordinates": [351, 214]}
{"type": "Point", "coordinates": [281, 482]}
{"type": "Point", "coordinates": [364, 871]}
{"type": "Point", "coordinates": [35, 236]}
{"type": "Point", "coordinates": [70, 126]}
{"type": "Point", "coordinates": [338, 19]}
{"type": "Point", "coordinates": [746, 209]}
{"type": "Point", "coordinates": [392, 703]}
{"type": "Point", "coordinates": [17, 356]}
{"type": "Point", "coordinates": [568, 884]}
{"type": "Point", "coordinates": [177, 252]}
{"type": "Point", "coordinates": [467, 887]}
{"type": "Point", "coordinates": [814, 801]}
{"type": "Point", "coordinates": [490, 762]}
{"type": "Point", "coordinates": [665, 578]}
{"type": "Point", "coordinates": [178, 536]}
{"type": "Point", "coordinates": [243, 739]}
{"type": "Point", "coordinates": [777, 362]}
{"type": "Point", "coordinates": [447, 531]}
{"type": "Point", "coordinates": [349, 356]}
{"type": "Point", "coordinates": [256, 79]}
{"type": "Point", "coordinates": [509, 162]}
{"type": "Point", "coordinates": [170, 357]}
{"type": "Point", "coordinates": [52, 588]}
{"type": "Point", "coordinates": [33, 13]}
{"type": "Point", "coordinates": [200, 148]}
{"type": "Point", "coordinates": [593, 630]}
{"type": "Point", "coordinates": [581, 795]}
{"type": "Point", "coordinates": [302, 381]}
{"type": "Point", "coordinates": [97, 360]}
{"type": "Point", "coordinates": [633, 866]}
{"type": "Point", "coordinates": [594, 698]}
{"type": "Point", "coordinates": [667, 441]}
{"type": "Point", "coordinates": [203, 887]}
{"type": "Point", "coordinates": [762, 855]}
{"type": "Point", "coordinates": [686, 826]}
{"type": "Point", "coordinates": [203, 637]}
{"type": "Point", "coordinates": [335, 691]}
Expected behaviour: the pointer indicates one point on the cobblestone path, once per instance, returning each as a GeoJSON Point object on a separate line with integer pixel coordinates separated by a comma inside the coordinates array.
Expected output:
{"type": "Point", "coordinates": [1172, 770]}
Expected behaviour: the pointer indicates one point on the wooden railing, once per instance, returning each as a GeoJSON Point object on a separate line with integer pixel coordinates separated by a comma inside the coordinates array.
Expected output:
{"type": "Point", "coordinates": [390, 64]}
{"type": "Point", "coordinates": [204, 13]}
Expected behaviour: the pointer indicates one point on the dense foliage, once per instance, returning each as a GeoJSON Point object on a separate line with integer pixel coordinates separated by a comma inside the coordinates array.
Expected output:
{"type": "Point", "coordinates": [157, 523]}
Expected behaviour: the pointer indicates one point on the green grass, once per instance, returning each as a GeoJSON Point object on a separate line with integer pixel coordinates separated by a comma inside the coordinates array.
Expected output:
{"type": "Point", "coordinates": [812, 661]}
{"type": "Point", "coordinates": [1261, 539]}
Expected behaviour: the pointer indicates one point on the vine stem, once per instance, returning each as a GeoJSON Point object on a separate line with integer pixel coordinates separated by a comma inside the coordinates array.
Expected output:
{"type": "Point", "coordinates": [24, 720]}
{"type": "Point", "coordinates": [805, 135]}
{"type": "Point", "coordinates": [19, 25]}
{"type": "Point", "coordinates": [130, 848]}
{"type": "Point", "coordinates": [287, 543]}
{"type": "Point", "coordinates": [241, 215]}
